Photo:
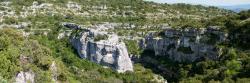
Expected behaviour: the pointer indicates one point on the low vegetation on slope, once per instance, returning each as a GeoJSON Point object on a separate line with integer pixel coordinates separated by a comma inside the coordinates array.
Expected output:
{"type": "Point", "coordinates": [38, 51]}
{"type": "Point", "coordinates": [41, 51]}
{"type": "Point", "coordinates": [232, 65]}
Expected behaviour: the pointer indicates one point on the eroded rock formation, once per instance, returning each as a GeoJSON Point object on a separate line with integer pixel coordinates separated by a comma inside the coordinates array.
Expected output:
{"type": "Point", "coordinates": [102, 48]}
{"type": "Point", "coordinates": [185, 44]}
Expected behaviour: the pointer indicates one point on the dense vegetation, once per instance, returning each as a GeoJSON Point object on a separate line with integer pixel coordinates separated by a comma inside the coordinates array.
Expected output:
{"type": "Point", "coordinates": [41, 51]}
{"type": "Point", "coordinates": [232, 66]}
{"type": "Point", "coordinates": [133, 47]}
{"type": "Point", "coordinates": [137, 12]}
{"type": "Point", "coordinates": [38, 51]}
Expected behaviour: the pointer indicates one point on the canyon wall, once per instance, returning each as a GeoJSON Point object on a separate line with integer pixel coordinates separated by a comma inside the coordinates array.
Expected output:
{"type": "Point", "coordinates": [187, 44]}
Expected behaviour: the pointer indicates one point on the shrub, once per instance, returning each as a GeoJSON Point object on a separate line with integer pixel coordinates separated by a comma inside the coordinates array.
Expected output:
{"type": "Point", "coordinates": [100, 37]}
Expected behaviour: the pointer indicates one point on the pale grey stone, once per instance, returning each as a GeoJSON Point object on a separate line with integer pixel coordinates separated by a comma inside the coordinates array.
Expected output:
{"type": "Point", "coordinates": [110, 52]}
{"type": "Point", "coordinates": [25, 77]}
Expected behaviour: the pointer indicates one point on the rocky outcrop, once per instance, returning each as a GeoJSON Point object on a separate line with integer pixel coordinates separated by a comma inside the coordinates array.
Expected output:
{"type": "Point", "coordinates": [185, 44]}
{"type": "Point", "coordinates": [159, 79]}
{"type": "Point", "coordinates": [25, 77]}
{"type": "Point", "coordinates": [54, 72]}
{"type": "Point", "coordinates": [101, 48]}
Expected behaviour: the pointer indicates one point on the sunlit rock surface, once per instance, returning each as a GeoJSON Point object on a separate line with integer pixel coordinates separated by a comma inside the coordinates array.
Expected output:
{"type": "Point", "coordinates": [102, 48]}
{"type": "Point", "coordinates": [25, 77]}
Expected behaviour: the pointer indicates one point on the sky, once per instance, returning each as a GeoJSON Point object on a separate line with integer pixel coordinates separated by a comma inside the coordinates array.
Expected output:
{"type": "Point", "coordinates": [206, 2]}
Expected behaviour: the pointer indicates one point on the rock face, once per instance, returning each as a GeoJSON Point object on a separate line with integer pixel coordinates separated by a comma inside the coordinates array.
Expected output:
{"type": "Point", "coordinates": [25, 77]}
{"type": "Point", "coordinates": [103, 49]}
{"type": "Point", "coordinates": [185, 44]}
{"type": "Point", "coordinates": [54, 74]}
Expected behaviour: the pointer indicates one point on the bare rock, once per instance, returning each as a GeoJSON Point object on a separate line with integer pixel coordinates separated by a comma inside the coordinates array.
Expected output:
{"type": "Point", "coordinates": [104, 49]}
{"type": "Point", "coordinates": [185, 44]}
{"type": "Point", "coordinates": [25, 77]}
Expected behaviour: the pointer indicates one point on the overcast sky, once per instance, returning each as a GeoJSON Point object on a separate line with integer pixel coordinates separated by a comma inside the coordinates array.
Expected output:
{"type": "Point", "coordinates": [206, 2]}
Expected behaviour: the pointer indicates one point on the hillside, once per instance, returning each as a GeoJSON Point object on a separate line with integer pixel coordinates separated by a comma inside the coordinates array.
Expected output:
{"type": "Point", "coordinates": [237, 8]}
{"type": "Point", "coordinates": [93, 41]}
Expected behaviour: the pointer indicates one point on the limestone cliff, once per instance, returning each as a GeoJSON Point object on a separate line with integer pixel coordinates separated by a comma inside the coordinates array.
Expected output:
{"type": "Point", "coordinates": [101, 48]}
{"type": "Point", "coordinates": [185, 44]}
